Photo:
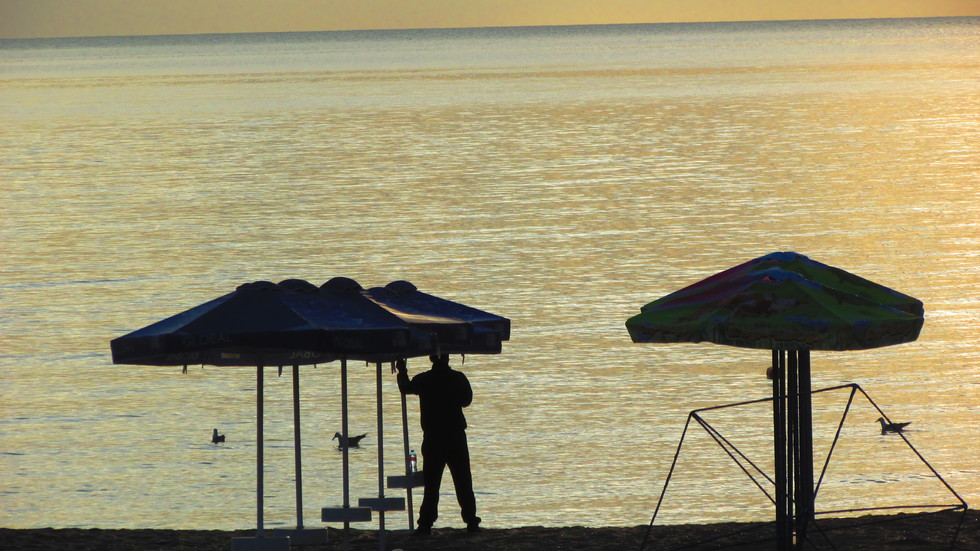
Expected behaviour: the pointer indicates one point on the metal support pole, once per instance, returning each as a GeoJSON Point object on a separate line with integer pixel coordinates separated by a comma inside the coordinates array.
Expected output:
{"type": "Point", "coordinates": [343, 416]}
{"type": "Point", "coordinates": [297, 449]}
{"type": "Point", "coordinates": [804, 498]}
{"type": "Point", "coordinates": [381, 462]}
{"type": "Point", "coordinates": [260, 459]}
{"type": "Point", "coordinates": [408, 464]}
{"type": "Point", "coordinates": [779, 448]}
{"type": "Point", "coordinates": [793, 439]}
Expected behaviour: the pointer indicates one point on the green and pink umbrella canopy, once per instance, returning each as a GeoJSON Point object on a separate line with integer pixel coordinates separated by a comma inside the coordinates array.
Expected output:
{"type": "Point", "coordinates": [782, 301]}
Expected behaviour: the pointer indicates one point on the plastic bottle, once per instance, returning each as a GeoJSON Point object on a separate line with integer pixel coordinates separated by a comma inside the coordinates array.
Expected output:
{"type": "Point", "coordinates": [413, 462]}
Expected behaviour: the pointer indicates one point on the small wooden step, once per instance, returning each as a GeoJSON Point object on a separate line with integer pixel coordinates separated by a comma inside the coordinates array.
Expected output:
{"type": "Point", "coordinates": [345, 514]}
{"type": "Point", "coordinates": [383, 503]}
{"type": "Point", "coordinates": [414, 480]}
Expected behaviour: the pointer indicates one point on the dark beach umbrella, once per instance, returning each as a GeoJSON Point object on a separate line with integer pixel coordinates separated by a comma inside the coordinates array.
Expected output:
{"type": "Point", "coordinates": [456, 328]}
{"type": "Point", "coordinates": [260, 324]}
{"type": "Point", "coordinates": [791, 305]}
{"type": "Point", "coordinates": [483, 332]}
{"type": "Point", "coordinates": [277, 324]}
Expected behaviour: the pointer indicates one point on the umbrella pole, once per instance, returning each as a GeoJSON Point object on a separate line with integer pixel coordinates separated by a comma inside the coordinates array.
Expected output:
{"type": "Point", "coordinates": [259, 461]}
{"type": "Point", "coordinates": [804, 498]}
{"type": "Point", "coordinates": [259, 541]}
{"type": "Point", "coordinates": [793, 442]}
{"type": "Point", "coordinates": [408, 466]}
{"type": "Point", "coordinates": [298, 447]}
{"type": "Point", "coordinates": [381, 462]}
{"type": "Point", "coordinates": [343, 414]}
{"type": "Point", "coordinates": [779, 446]}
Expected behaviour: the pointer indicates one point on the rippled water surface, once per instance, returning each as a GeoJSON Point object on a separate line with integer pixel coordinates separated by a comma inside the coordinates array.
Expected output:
{"type": "Point", "coordinates": [562, 177]}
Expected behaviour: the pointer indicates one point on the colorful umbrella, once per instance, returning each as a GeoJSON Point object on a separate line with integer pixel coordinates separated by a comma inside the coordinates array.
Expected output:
{"type": "Point", "coordinates": [782, 301]}
{"type": "Point", "coordinates": [789, 304]}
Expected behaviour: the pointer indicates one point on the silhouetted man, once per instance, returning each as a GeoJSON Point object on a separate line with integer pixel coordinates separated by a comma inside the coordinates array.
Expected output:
{"type": "Point", "coordinates": [443, 393]}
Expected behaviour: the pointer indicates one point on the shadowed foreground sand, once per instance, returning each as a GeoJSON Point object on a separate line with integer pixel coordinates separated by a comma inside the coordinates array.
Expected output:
{"type": "Point", "coordinates": [899, 533]}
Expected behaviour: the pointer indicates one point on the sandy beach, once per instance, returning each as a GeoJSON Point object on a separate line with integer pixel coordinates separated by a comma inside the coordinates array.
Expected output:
{"type": "Point", "coordinates": [882, 533]}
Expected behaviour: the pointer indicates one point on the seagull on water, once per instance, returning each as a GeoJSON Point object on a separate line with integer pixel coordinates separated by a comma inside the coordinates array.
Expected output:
{"type": "Point", "coordinates": [350, 441]}
{"type": "Point", "coordinates": [215, 437]}
{"type": "Point", "coordinates": [891, 427]}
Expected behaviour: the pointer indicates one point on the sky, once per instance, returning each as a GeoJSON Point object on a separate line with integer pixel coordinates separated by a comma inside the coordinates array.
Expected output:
{"type": "Point", "coordinates": [62, 18]}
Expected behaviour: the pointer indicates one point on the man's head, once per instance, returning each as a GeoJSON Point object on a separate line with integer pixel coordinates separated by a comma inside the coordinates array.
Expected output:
{"type": "Point", "coordinates": [439, 361]}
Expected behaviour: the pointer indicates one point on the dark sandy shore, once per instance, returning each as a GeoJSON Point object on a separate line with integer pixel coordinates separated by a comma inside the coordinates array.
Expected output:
{"type": "Point", "coordinates": [881, 533]}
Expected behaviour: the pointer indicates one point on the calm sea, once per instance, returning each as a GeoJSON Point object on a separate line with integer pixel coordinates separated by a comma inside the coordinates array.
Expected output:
{"type": "Point", "coordinates": [561, 176]}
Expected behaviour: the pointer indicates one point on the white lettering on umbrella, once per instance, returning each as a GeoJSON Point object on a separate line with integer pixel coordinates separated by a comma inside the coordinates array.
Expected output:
{"type": "Point", "coordinates": [198, 340]}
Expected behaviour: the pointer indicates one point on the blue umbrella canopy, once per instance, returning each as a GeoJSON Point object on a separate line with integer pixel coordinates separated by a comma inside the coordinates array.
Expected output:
{"type": "Point", "coordinates": [460, 329]}
{"type": "Point", "coordinates": [293, 322]}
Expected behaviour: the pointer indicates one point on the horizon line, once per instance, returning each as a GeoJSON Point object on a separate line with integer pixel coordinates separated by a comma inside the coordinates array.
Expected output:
{"type": "Point", "coordinates": [229, 33]}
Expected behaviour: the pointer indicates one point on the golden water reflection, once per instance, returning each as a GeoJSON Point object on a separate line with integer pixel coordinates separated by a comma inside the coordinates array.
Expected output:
{"type": "Point", "coordinates": [124, 206]}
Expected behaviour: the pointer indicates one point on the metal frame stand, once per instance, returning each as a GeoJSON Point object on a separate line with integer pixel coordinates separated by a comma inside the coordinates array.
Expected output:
{"type": "Point", "coordinates": [794, 493]}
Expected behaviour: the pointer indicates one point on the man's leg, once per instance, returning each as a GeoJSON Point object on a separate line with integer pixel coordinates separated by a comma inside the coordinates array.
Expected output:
{"type": "Point", "coordinates": [433, 465]}
{"type": "Point", "coordinates": [458, 459]}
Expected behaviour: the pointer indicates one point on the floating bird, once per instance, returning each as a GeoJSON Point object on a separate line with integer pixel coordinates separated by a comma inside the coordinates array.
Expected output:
{"type": "Point", "coordinates": [891, 427]}
{"type": "Point", "coordinates": [350, 441]}
{"type": "Point", "coordinates": [215, 437]}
